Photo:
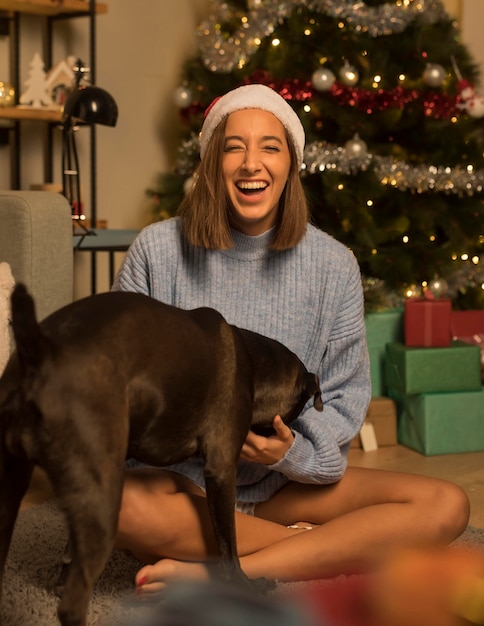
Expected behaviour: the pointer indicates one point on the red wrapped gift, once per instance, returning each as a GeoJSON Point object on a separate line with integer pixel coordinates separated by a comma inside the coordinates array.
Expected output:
{"type": "Point", "coordinates": [468, 326]}
{"type": "Point", "coordinates": [427, 322]}
{"type": "Point", "coordinates": [467, 323]}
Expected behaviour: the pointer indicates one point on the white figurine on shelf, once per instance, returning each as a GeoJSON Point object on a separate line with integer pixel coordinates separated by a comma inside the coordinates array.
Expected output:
{"type": "Point", "coordinates": [38, 93]}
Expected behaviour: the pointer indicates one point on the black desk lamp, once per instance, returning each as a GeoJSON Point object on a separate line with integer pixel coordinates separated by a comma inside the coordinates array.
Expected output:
{"type": "Point", "coordinates": [84, 105]}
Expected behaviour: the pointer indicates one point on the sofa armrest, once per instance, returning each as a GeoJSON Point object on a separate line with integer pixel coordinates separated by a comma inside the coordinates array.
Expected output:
{"type": "Point", "coordinates": [36, 241]}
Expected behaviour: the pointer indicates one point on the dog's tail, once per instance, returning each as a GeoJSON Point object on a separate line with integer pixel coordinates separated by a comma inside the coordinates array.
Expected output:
{"type": "Point", "coordinates": [29, 340]}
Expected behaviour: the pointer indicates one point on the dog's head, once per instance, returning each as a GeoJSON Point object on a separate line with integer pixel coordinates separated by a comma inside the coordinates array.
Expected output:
{"type": "Point", "coordinates": [287, 401]}
{"type": "Point", "coordinates": [282, 384]}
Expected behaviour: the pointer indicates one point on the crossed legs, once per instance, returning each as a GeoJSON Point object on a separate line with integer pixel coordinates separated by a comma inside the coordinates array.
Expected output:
{"type": "Point", "coordinates": [164, 521]}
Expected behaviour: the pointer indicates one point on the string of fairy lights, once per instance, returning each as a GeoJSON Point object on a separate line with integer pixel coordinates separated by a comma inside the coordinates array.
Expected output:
{"type": "Point", "coordinates": [223, 52]}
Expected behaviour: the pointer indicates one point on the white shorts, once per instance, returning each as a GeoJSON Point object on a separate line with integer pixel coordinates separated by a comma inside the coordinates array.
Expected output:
{"type": "Point", "coordinates": [245, 507]}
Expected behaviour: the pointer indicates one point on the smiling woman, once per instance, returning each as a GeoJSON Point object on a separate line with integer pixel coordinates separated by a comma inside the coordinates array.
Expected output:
{"type": "Point", "coordinates": [242, 244]}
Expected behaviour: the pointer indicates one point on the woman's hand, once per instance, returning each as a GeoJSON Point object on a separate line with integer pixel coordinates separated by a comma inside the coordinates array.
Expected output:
{"type": "Point", "coordinates": [268, 450]}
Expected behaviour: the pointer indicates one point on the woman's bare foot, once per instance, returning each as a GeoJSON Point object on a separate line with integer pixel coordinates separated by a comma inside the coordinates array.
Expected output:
{"type": "Point", "coordinates": [151, 579]}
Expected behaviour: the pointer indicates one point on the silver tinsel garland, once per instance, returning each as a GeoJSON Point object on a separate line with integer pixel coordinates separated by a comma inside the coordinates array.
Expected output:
{"type": "Point", "coordinates": [320, 156]}
{"type": "Point", "coordinates": [222, 53]}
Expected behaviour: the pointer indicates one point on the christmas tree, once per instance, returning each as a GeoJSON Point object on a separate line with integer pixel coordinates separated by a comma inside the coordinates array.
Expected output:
{"type": "Point", "coordinates": [388, 95]}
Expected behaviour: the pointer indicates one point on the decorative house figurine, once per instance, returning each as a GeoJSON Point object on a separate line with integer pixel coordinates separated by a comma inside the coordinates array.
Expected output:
{"type": "Point", "coordinates": [60, 80]}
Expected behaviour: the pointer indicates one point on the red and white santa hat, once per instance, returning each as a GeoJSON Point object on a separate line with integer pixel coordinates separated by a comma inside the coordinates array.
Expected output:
{"type": "Point", "coordinates": [254, 97]}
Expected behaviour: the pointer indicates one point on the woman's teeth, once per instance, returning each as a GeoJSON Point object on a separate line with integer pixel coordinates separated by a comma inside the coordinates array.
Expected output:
{"type": "Point", "coordinates": [251, 186]}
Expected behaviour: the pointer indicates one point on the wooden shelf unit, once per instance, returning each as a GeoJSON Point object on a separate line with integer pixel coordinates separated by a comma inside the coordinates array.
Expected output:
{"type": "Point", "coordinates": [19, 113]}
{"type": "Point", "coordinates": [50, 7]}
{"type": "Point", "coordinates": [12, 118]}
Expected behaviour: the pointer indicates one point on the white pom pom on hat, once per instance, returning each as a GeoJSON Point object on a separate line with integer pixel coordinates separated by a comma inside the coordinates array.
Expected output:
{"type": "Point", "coordinates": [254, 97]}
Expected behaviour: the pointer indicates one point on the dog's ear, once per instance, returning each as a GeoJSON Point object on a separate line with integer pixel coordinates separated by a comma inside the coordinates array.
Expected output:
{"type": "Point", "coordinates": [316, 392]}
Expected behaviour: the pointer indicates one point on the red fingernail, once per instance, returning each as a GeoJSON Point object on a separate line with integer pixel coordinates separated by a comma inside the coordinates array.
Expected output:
{"type": "Point", "coordinates": [142, 581]}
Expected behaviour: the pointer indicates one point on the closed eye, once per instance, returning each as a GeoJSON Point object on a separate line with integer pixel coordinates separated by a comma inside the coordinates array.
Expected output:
{"type": "Point", "coordinates": [232, 148]}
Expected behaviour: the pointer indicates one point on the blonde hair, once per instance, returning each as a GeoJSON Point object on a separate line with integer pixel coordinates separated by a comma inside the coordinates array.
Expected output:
{"type": "Point", "coordinates": [204, 210]}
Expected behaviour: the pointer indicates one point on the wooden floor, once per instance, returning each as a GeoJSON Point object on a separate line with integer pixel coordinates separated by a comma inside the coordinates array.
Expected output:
{"type": "Point", "coordinates": [466, 470]}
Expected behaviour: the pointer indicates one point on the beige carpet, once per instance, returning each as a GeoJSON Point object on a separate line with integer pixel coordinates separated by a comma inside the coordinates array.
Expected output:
{"type": "Point", "coordinates": [33, 566]}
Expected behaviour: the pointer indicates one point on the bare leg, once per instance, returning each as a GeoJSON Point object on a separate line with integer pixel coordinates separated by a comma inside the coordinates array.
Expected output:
{"type": "Point", "coordinates": [358, 519]}
{"type": "Point", "coordinates": [363, 517]}
{"type": "Point", "coordinates": [165, 515]}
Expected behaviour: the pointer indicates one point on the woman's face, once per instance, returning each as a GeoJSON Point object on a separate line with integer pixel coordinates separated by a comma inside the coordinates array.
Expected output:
{"type": "Point", "coordinates": [255, 166]}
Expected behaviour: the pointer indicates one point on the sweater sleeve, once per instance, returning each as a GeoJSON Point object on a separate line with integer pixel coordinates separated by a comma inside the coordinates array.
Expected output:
{"type": "Point", "coordinates": [133, 274]}
{"type": "Point", "coordinates": [321, 440]}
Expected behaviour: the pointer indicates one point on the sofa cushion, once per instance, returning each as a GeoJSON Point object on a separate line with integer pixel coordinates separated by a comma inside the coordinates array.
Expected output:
{"type": "Point", "coordinates": [36, 241]}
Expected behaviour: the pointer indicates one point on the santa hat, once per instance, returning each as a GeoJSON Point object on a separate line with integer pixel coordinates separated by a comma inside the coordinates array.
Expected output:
{"type": "Point", "coordinates": [254, 97]}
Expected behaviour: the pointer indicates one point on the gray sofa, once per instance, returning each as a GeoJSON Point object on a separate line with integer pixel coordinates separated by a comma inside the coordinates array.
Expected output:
{"type": "Point", "coordinates": [36, 241]}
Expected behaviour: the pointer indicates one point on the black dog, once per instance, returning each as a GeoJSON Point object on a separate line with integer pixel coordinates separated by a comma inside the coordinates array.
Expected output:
{"type": "Point", "coordinates": [121, 375]}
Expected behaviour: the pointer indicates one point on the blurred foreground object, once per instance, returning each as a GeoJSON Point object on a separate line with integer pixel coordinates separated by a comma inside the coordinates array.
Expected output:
{"type": "Point", "coordinates": [434, 587]}
{"type": "Point", "coordinates": [217, 604]}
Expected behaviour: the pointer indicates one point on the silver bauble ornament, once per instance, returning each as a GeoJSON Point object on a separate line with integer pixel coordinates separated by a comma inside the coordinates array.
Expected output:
{"type": "Point", "coordinates": [323, 79]}
{"type": "Point", "coordinates": [355, 147]}
{"type": "Point", "coordinates": [183, 97]}
{"type": "Point", "coordinates": [434, 75]}
{"type": "Point", "coordinates": [349, 75]}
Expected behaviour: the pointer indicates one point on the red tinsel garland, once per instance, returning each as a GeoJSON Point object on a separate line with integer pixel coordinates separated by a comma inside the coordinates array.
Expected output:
{"type": "Point", "coordinates": [436, 105]}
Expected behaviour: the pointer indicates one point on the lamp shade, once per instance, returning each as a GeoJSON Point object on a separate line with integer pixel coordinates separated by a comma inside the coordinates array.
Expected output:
{"type": "Point", "coordinates": [91, 105]}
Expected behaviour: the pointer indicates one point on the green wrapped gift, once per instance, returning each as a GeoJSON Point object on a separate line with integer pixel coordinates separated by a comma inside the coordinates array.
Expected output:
{"type": "Point", "coordinates": [430, 370]}
{"type": "Point", "coordinates": [441, 423]}
{"type": "Point", "coordinates": [381, 328]}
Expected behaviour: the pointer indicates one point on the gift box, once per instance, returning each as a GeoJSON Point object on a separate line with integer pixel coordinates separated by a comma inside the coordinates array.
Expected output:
{"type": "Point", "coordinates": [381, 328]}
{"type": "Point", "coordinates": [427, 321]}
{"type": "Point", "coordinates": [382, 415]}
{"type": "Point", "coordinates": [467, 323]}
{"type": "Point", "coordinates": [441, 423]}
{"type": "Point", "coordinates": [430, 370]}
{"type": "Point", "coordinates": [468, 326]}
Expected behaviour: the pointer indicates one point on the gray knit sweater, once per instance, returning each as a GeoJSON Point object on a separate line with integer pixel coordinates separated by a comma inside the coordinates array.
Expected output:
{"type": "Point", "coordinates": [309, 298]}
